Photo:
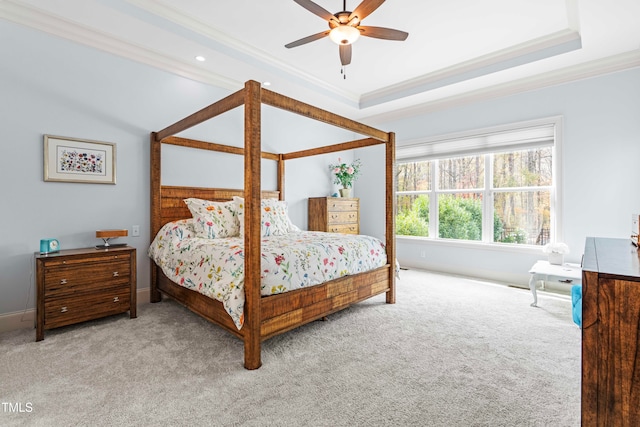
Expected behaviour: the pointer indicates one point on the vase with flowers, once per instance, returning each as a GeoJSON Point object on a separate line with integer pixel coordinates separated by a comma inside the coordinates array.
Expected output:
{"type": "Point", "coordinates": [345, 175]}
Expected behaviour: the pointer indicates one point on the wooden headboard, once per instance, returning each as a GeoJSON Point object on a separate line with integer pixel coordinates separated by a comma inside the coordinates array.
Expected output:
{"type": "Point", "coordinates": [173, 208]}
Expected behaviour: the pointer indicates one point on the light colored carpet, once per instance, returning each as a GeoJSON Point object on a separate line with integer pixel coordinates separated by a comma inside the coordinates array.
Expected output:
{"type": "Point", "coordinates": [451, 352]}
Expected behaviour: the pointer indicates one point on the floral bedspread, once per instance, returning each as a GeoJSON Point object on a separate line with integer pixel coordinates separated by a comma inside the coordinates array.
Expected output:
{"type": "Point", "coordinates": [215, 267]}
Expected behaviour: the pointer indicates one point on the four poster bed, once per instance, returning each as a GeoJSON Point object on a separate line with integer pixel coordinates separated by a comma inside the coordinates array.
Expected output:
{"type": "Point", "coordinates": [263, 317]}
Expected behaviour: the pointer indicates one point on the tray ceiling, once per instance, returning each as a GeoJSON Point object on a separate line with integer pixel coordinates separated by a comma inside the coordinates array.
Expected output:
{"type": "Point", "coordinates": [457, 51]}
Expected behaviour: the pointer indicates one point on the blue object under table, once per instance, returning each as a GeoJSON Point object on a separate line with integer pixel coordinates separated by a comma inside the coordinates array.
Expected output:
{"type": "Point", "coordinates": [576, 303]}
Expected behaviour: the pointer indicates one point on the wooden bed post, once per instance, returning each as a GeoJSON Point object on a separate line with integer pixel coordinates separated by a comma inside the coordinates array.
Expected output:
{"type": "Point", "coordinates": [281, 176]}
{"type": "Point", "coordinates": [252, 238]}
{"type": "Point", "coordinates": [156, 151]}
{"type": "Point", "coordinates": [390, 158]}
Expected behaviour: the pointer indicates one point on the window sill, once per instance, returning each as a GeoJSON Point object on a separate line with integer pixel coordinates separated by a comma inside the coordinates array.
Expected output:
{"type": "Point", "coordinates": [500, 247]}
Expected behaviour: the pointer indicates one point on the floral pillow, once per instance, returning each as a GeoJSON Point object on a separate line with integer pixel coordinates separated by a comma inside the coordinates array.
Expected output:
{"type": "Point", "coordinates": [213, 220]}
{"type": "Point", "coordinates": [275, 217]}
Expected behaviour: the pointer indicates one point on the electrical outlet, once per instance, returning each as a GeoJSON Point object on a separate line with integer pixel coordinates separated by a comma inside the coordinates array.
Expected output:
{"type": "Point", "coordinates": [135, 230]}
{"type": "Point", "coordinates": [423, 254]}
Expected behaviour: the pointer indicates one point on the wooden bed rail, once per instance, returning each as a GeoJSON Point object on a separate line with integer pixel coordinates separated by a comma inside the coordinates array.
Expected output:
{"type": "Point", "coordinates": [252, 96]}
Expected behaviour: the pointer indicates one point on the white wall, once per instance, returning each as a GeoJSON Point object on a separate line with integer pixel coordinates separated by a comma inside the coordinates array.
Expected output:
{"type": "Point", "coordinates": [52, 86]}
{"type": "Point", "coordinates": [600, 172]}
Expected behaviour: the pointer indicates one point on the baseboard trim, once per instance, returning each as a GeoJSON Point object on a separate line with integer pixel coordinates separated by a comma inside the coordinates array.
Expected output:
{"type": "Point", "coordinates": [26, 318]}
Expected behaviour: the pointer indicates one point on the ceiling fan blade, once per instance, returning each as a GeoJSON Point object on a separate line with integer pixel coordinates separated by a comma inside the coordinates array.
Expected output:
{"type": "Point", "coordinates": [345, 54]}
{"type": "Point", "coordinates": [383, 33]}
{"type": "Point", "coordinates": [365, 9]}
{"type": "Point", "coordinates": [317, 10]}
{"type": "Point", "coordinates": [307, 39]}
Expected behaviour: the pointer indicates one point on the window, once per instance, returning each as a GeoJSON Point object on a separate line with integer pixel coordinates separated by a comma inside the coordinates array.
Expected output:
{"type": "Point", "coordinates": [496, 186]}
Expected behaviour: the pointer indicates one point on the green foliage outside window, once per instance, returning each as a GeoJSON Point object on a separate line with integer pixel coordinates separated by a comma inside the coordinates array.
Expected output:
{"type": "Point", "coordinates": [460, 218]}
{"type": "Point", "coordinates": [415, 220]}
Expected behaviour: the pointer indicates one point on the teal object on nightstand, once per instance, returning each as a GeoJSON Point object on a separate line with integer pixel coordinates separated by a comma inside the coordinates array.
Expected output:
{"type": "Point", "coordinates": [576, 302]}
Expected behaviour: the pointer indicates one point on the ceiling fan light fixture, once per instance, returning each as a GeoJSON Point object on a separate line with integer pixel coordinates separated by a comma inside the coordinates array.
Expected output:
{"type": "Point", "coordinates": [344, 34]}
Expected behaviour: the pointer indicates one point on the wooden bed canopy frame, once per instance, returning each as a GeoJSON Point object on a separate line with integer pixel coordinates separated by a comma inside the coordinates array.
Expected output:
{"type": "Point", "coordinates": [265, 317]}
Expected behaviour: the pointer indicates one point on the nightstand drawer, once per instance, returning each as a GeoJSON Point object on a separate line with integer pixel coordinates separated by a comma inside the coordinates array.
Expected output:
{"type": "Point", "coordinates": [69, 279]}
{"type": "Point", "coordinates": [343, 217]}
{"type": "Point", "coordinates": [96, 256]}
{"type": "Point", "coordinates": [61, 312]}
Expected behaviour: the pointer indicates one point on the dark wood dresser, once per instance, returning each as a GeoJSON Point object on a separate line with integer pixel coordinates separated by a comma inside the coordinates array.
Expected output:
{"type": "Point", "coordinates": [610, 333]}
{"type": "Point", "coordinates": [334, 215]}
{"type": "Point", "coordinates": [77, 285]}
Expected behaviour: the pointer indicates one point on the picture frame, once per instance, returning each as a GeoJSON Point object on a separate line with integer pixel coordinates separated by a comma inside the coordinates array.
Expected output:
{"type": "Point", "coordinates": [79, 160]}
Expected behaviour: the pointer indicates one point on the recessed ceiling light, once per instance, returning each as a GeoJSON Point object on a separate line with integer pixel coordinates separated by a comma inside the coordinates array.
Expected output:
{"type": "Point", "coordinates": [266, 83]}
{"type": "Point", "coordinates": [200, 58]}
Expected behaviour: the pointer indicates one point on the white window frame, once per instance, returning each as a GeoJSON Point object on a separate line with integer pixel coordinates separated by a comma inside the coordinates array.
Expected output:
{"type": "Point", "coordinates": [556, 232]}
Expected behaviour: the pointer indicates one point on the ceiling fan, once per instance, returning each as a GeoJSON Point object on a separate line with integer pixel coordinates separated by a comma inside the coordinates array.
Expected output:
{"type": "Point", "coordinates": [345, 27]}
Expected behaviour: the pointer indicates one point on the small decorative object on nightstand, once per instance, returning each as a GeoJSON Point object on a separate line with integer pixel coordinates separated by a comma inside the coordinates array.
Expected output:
{"type": "Point", "coordinates": [107, 235]}
{"type": "Point", "coordinates": [48, 246]}
{"type": "Point", "coordinates": [77, 285]}
{"type": "Point", "coordinates": [334, 215]}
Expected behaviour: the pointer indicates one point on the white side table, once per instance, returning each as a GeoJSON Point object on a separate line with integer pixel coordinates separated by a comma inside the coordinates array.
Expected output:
{"type": "Point", "coordinates": [542, 270]}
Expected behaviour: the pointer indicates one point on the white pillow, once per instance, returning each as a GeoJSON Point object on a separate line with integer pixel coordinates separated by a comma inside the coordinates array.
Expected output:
{"type": "Point", "coordinates": [274, 217]}
{"type": "Point", "coordinates": [214, 219]}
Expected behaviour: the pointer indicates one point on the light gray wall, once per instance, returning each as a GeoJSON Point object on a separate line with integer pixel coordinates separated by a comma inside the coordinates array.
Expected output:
{"type": "Point", "coordinates": [600, 172]}
{"type": "Point", "coordinates": [53, 86]}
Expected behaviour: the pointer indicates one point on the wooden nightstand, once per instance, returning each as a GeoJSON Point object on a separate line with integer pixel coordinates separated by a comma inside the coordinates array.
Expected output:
{"type": "Point", "coordinates": [77, 285]}
{"type": "Point", "coordinates": [334, 214]}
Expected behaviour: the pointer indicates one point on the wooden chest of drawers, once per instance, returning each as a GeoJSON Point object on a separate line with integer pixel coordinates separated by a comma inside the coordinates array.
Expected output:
{"type": "Point", "coordinates": [610, 333]}
{"type": "Point", "coordinates": [83, 284]}
{"type": "Point", "coordinates": [334, 215]}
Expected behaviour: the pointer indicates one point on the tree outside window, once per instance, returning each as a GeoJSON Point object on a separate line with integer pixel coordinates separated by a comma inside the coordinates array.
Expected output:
{"type": "Point", "coordinates": [513, 187]}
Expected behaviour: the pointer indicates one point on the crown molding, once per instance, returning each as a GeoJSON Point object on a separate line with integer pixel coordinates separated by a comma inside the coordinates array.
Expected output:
{"type": "Point", "coordinates": [543, 47]}
{"type": "Point", "coordinates": [35, 18]}
{"type": "Point", "coordinates": [162, 10]}
{"type": "Point", "coordinates": [598, 67]}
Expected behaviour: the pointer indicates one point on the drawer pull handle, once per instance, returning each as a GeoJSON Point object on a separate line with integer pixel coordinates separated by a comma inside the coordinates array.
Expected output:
{"type": "Point", "coordinates": [63, 309]}
{"type": "Point", "coordinates": [115, 274]}
{"type": "Point", "coordinates": [116, 299]}
{"type": "Point", "coordinates": [63, 281]}
{"type": "Point", "coordinates": [334, 205]}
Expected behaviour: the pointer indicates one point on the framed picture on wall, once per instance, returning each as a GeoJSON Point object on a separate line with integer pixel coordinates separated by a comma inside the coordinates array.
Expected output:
{"type": "Point", "coordinates": [79, 160]}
